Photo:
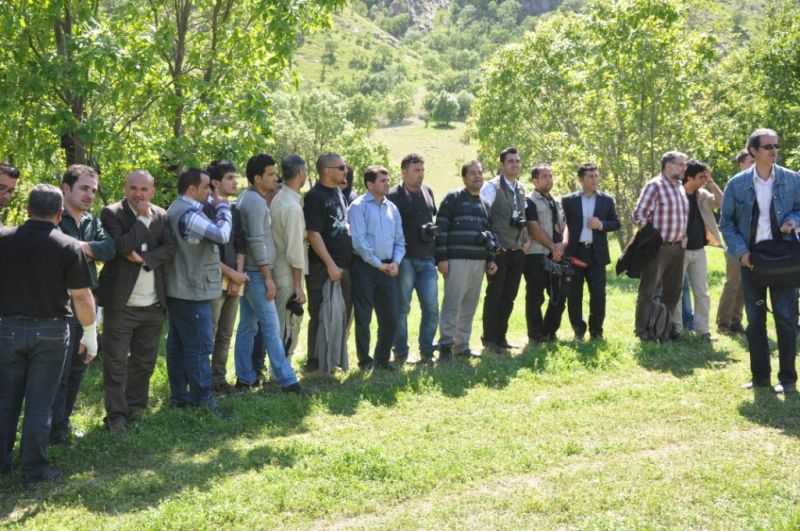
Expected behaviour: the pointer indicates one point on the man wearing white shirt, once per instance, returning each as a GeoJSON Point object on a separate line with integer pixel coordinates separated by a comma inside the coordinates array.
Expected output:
{"type": "Point", "coordinates": [506, 197]}
{"type": "Point", "coordinates": [758, 205]}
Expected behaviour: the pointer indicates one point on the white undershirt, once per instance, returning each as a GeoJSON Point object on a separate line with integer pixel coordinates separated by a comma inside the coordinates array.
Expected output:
{"type": "Point", "coordinates": [764, 198]}
{"type": "Point", "coordinates": [144, 291]}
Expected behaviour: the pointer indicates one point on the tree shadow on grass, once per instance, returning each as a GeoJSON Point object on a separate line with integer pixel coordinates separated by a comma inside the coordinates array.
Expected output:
{"type": "Point", "coordinates": [166, 452]}
{"type": "Point", "coordinates": [768, 409]}
{"type": "Point", "coordinates": [682, 357]}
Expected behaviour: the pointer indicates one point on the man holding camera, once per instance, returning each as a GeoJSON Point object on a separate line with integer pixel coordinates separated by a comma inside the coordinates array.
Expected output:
{"type": "Point", "coordinates": [417, 272]}
{"type": "Point", "coordinates": [760, 204]}
{"type": "Point", "coordinates": [545, 221]}
{"type": "Point", "coordinates": [506, 197]}
{"type": "Point", "coordinates": [590, 216]}
{"type": "Point", "coordinates": [289, 233]}
{"type": "Point", "coordinates": [465, 249]}
{"type": "Point", "coordinates": [379, 247]}
{"type": "Point", "coordinates": [132, 289]}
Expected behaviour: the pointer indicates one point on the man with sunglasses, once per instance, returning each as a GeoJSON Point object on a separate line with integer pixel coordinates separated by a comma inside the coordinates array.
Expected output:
{"type": "Point", "coordinates": [330, 249]}
{"type": "Point", "coordinates": [759, 205]}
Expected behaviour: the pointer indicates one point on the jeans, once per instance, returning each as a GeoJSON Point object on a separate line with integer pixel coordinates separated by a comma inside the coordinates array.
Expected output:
{"type": "Point", "coordinates": [374, 289]}
{"type": "Point", "coordinates": [687, 316]}
{"type": "Point", "coordinates": [32, 354]}
{"type": "Point", "coordinates": [71, 378]}
{"type": "Point", "coordinates": [189, 346]}
{"type": "Point", "coordinates": [501, 290]}
{"type": "Point", "coordinates": [255, 310]}
{"type": "Point", "coordinates": [784, 308]}
{"type": "Point", "coordinates": [419, 275]}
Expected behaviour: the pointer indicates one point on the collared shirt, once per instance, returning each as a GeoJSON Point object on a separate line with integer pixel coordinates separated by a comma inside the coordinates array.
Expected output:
{"type": "Point", "coordinates": [377, 230]}
{"type": "Point", "coordinates": [587, 207]}
{"type": "Point", "coordinates": [194, 226]}
{"type": "Point", "coordinates": [38, 264]}
{"type": "Point", "coordinates": [763, 188]}
{"type": "Point", "coordinates": [91, 231]}
{"type": "Point", "coordinates": [664, 203]}
{"type": "Point", "coordinates": [489, 191]}
{"type": "Point", "coordinates": [289, 232]}
{"type": "Point", "coordinates": [144, 289]}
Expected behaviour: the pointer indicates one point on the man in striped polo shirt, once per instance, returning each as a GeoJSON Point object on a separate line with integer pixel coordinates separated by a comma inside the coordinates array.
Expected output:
{"type": "Point", "coordinates": [663, 203]}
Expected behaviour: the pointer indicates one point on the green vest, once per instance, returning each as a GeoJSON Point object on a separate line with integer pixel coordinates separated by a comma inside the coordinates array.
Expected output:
{"type": "Point", "coordinates": [505, 203]}
{"type": "Point", "coordinates": [546, 222]}
{"type": "Point", "coordinates": [194, 272]}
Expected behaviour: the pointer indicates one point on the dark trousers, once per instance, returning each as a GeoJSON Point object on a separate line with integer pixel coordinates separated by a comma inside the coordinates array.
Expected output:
{"type": "Point", "coordinates": [595, 277]}
{"type": "Point", "coordinates": [374, 289]}
{"type": "Point", "coordinates": [32, 354]}
{"type": "Point", "coordinates": [71, 378]}
{"type": "Point", "coordinates": [315, 280]}
{"type": "Point", "coordinates": [130, 349]}
{"type": "Point", "coordinates": [666, 269]}
{"type": "Point", "coordinates": [537, 281]}
{"type": "Point", "coordinates": [784, 311]}
{"type": "Point", "coordinates": [189, 346]}
{"type": "Point", "coordinates": [501, 290]}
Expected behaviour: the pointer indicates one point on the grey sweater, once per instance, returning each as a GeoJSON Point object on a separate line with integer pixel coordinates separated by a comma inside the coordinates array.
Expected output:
{"type": "Point", "coordinates": [257, 227]}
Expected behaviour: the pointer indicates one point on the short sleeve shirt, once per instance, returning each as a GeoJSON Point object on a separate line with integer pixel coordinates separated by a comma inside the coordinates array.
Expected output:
{"type": "Point", "coordinates": [31, 253]}
{"type": "Point", "coordinates": [325, 212]}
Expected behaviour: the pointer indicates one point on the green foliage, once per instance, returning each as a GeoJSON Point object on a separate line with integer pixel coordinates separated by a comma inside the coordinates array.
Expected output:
{"type": "Point", "coordinates": [158, 84]}
{"type": "Point", "coordinates": [444, 108]}
{"type": "Point", "coordinates": [398, 108]}
{"type": "Point", "coordinates": [619, 85]}
{"type": "Point", "coordinates": [362, 112]}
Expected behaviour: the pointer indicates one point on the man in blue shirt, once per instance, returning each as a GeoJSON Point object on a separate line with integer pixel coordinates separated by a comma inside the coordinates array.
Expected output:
{"type": "Point", "coordinates": [377, 231]}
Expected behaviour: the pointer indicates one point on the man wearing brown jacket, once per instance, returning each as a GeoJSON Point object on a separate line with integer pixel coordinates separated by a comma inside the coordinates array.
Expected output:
{"type": "Point", "coordinates": [133, 292]}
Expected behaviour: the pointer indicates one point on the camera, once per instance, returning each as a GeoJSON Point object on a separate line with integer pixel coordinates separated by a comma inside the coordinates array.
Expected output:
{"type": "Point", "coordinates": [488, 239]}
{"type": "Point", "coordinates": [517, 219]}
{"type": "Point", "coordinates": [428, 232]}
{"type": "Point", "coordinates": [563, 269]}
{"type": "Point", "coordinates": [294, 307]}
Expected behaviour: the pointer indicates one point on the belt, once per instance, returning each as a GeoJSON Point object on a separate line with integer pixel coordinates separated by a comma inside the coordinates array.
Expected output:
{"type": "Point", "coordinates": [504, 250]}
{"type": "Point", "coordinates": [585, 244]}
{"type": "Point", "coordinates": [40, 319]}
{"type": "Point", "coordinates": [673, 243]}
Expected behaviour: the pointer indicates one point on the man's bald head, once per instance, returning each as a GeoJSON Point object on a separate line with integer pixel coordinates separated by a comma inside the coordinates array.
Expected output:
{"type": "Point", "coordinates": [139, 187]}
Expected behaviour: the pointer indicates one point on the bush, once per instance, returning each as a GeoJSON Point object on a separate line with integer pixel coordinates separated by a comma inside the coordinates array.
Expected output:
{"type": "Point", "coordinates": [445, 108]}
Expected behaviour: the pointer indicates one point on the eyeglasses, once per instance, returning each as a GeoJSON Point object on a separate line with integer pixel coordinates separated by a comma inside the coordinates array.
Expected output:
{"type": "Point", "coordinates": [340, 168]}
{"type": "Point", "coordinates": [770, 147]}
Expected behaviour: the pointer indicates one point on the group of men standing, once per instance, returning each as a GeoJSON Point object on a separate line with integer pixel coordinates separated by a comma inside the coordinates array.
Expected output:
{"type": "Point", "coordinates": [207, 258]}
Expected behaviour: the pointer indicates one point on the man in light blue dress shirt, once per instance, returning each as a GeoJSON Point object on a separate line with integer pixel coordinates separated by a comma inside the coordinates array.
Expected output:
{"type": "Point", "coordinates": [378, 244]}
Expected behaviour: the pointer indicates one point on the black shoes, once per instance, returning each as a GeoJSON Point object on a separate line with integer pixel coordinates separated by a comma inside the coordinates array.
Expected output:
{"type": "Point", "coordinates": [48, 474]}
{"type": "Point", "coordinates": [754, 384]}
{"type": "Point", "coordinates": [59, 438]}
{"type": "Point", "coordinates": [467, 353]}
{"type": "Point", "coordinates": [241, 386]}
{"type": "Point", "coordinates": [223, 388]}
{"type": "Point", "coordinates": [384, 366]}
{"type": "Point", "coordinates": [295, 389]}
{"type": "Point", "coordinates": [217, 412]}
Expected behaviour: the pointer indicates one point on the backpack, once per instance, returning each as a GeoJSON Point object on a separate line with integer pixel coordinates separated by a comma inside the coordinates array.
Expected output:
{"type": "Point", "coordinates": [659, 324]}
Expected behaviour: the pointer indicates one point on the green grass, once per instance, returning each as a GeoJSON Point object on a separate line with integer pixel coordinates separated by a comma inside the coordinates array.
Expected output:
{"type": "Point", "coordinates": [593, 435]}
{"type": "Point", "coordinates": [442, 148]}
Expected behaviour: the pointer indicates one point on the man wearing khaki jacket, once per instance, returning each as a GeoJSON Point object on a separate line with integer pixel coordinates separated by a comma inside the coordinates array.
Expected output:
{"type": "Point", "coordinates": [701, 230]}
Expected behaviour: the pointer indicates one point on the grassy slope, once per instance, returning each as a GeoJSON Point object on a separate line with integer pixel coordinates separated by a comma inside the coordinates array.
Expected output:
{"type": "Point", "coordinates": [613, 434]}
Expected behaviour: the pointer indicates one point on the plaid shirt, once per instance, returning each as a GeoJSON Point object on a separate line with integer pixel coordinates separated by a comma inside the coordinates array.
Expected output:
{"type": "Point", "coordinates": [194, 226]}
{"type": "Point", "coordinates": [665, 205]}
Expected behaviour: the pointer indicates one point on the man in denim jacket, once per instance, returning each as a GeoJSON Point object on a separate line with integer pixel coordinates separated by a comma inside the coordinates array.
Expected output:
{"type": "Point", "coordinates": [758, 203]}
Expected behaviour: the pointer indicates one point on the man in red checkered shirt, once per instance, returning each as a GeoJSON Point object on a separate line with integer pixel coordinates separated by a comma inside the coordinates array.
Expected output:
{"type": "Point", "coordinates": [663, 203]}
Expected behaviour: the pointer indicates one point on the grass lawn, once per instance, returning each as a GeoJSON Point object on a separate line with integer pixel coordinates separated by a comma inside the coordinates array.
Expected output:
{"type": "Point", "coordinates": [598, 435]}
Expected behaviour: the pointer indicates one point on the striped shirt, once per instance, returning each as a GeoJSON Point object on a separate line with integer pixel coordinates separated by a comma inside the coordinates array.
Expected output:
{"type": "Point", "coordinates": [665, 205]}
{"type": "Point", "coordinates": [194, 226]}
{"type": "Point", "coordinates": [461, 219]}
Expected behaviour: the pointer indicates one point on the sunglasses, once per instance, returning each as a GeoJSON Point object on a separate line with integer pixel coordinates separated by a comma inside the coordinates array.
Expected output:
{"type": "Point", "coordinates": [770, 147]}
{"type": "Point", "coordinates": [340, 168]}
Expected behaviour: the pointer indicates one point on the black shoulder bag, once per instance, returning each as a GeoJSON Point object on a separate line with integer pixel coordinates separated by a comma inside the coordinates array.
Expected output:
{"type": "Point", "coordinates": [776, 263]}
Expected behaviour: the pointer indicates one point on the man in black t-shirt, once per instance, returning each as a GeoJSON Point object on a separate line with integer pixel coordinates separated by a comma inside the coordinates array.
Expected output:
{"type": "Point", "coordinates": [330, 249]}
{"type": "Point", "coordinates": [33, 330]}
{"type": "Point", "coordinates": [545, 223]}
{"type": "Point", "coordinates": [417, 272]}
{"type": "Point", "coordinates": [701, 230]}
